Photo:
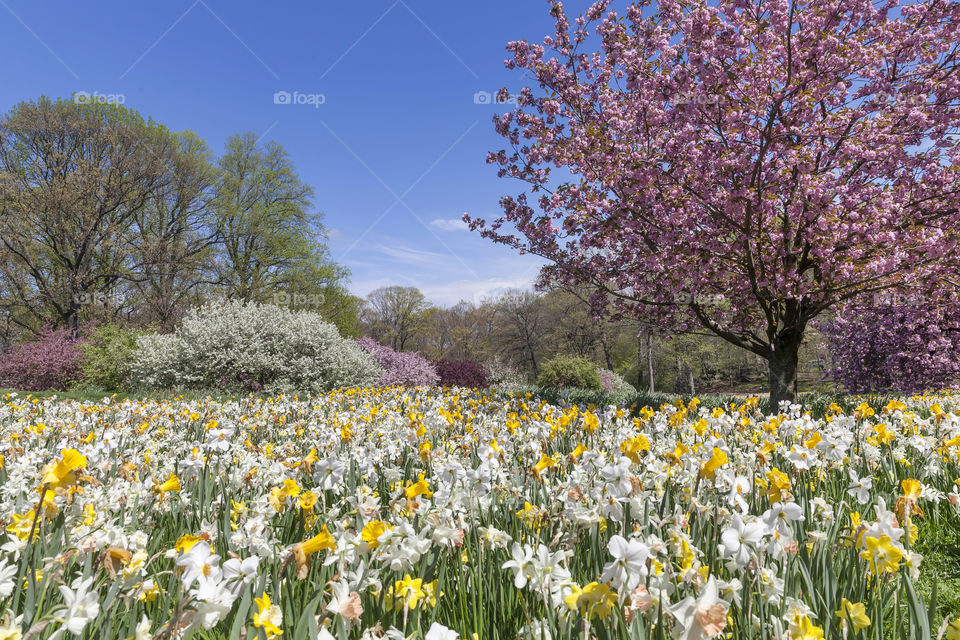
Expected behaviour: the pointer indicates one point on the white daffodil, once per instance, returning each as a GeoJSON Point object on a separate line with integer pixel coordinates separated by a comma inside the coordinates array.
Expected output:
{"type": "Point", "coordinates": [779, 516]}
{"type": "Point", "coordinates": [439, 632]}
{"type": "Point", "coordinates": [739, 541]}
{"type": "Point", "coordinates": [521, 564]}
{"type": "Point", "coordinates": [82, 606]}
{"type": "Point", "coordinates": [8, 576]}
{"type": "Point", "coordinates": [202, 567]}
{"type": "Point", "coordinates": [629, 566]}
{"type": "Point", "coordinates": [10, 626]}
{"type": "Point", "coordinates": [142, 631]}
{"type": "Point", "coordinates": [859, 488]}
{"type": "Point", "coordinates": [240, 573]}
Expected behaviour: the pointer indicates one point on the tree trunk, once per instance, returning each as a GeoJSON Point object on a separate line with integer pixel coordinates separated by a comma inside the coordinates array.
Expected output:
{"type": "Point", "coordinates": [606, 349]}
{"type": "Point", "coordinates": [693, 389]}
{"type": "Point", "coordinates": [650, 358]}
{"type": "Point", "coordinates": [678, 385]}
{"type": "Point", "coordinates": [639, 363]}
{"type": "Point", "coordinates": [782, 362]}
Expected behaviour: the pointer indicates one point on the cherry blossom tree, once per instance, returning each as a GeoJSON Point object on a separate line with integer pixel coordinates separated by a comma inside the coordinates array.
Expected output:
{"type": "Point", "coordinates": [738, 165]}
{"type": "Point", "coordinates": [886, 344]}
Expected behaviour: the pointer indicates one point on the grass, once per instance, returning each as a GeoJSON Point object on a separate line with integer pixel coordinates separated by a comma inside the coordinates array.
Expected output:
{"type": "Point", "coordinates": [939, 543]}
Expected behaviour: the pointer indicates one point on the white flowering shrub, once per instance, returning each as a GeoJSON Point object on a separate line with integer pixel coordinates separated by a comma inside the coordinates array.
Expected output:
{"type": "Point", "coordinates": [236, 345]}
{"type": "Point", "coordinates": [503, 377]}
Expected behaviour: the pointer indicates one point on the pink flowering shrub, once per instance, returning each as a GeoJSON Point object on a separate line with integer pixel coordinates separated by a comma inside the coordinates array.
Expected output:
{"type": "Point", "coordinates": [891, 348]}
{"type": "Point", "coordinates": [462, 373]}
{"type": "Point", "coordinates": [50, 363]}
{"type": "Point", "coordinates": [613, 382]}
{"type": "Point", "coordinates": [400, 367]}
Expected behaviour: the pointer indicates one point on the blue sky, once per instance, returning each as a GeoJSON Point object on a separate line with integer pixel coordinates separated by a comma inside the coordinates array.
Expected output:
{"type": "Point", "coordinates": [395, 152]}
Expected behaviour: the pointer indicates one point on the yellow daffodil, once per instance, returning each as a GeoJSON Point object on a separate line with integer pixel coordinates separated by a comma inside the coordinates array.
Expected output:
{"type": "Point", "coordinates": [779, 485]}
{"type": "Point", "coordinates": [268, 617]}
{"type": "Point", "coordinates": [883, 556]}
{"type": "Point", "coordinates": [308, 500]}
{"type": "Point", "coordinates": [419, 488]}
{"type": "Point", "coordinates": [854, 614]}
{"type": "Point", "coordinates": [906, 505]}
{"type": "Point", "coordinates": [576, 453]}
{"type": "Point", "coordinates": [22, 524]}
{"type": "Point", "coordinates": [545, 463]}
{"type": "Point", "coordinates": [186, 542]}
{"type": "Point", "coordinates": [806, 630]}
{"type": "Point", "coordinates": [718, 459]}
{"type": "Point", "coordinates": [406, 593]}
{"type": "Point", "coordinates": [372, 531]}
{"type": "Point", "coordinates": [678, 452]}
{"type": "Point", "coordinates": [63, 472]}
{"type": "Point", "coordinates": [302, 551]}
{"type": "Point", "coordinates": [953, 629]}
{"type": "Point", "coordinates": [171, 484]}
{"type": "Point", "coordinates": [595, 600]}
{"type": "Point", "coordinates": [632, 447]}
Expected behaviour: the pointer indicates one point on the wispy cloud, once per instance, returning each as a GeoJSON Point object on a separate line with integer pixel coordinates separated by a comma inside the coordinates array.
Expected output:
{"type": "Point", "coordinates": [410, 255]}
{"type": "Point", "coordinates": [447, 294]}
{"type": "Point", "coordinates": [449, 224]}
{"type": "Point", "coordinates": [476, 291]}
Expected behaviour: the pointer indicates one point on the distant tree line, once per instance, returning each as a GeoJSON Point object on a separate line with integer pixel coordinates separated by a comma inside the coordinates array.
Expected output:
{"type": "Point", "coordinates": [525, 329]}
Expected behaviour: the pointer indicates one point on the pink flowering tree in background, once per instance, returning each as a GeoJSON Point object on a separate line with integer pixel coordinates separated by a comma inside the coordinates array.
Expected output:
{"type": "Point", "coordinates": [884, 347]}
{"type": "Point", "coordinates": [50, 362]}
{"type": "Point", "coordinates": [400, 367]}
{"type": "Point", "coordinates": [739, 166]}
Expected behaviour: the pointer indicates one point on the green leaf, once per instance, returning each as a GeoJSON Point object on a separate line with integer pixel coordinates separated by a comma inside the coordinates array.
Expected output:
{"type": "Point", "coordinates": [304, 629]}
{"type": "Point", "coordinates": [917, 611]}
{"type": "Point", "coordinates": [241, 614]}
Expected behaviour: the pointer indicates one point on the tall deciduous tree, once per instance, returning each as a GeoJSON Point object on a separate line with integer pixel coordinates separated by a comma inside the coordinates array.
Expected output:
{"type": "Point", "coordinates": [73, 180]}
{"type": "Point", "coordinates": [174, 237]}
{"type": "Point", "coordinates": [267, 228]}
{"type": "Point", "coordinates": [396, 314]}
{"type": "Point", "coordinates": [740, 165]}
{"type": "Point", "coordinates": [523, 322]}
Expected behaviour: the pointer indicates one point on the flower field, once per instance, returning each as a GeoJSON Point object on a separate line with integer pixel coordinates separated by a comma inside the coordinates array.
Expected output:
{"type": "Point", "coordinates": [414, 513]}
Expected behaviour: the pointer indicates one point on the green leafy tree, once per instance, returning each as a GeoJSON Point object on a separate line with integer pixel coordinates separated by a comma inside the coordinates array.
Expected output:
{"type": "Point", "coordinates": [74, 178]}
{"type": "Point", "coordinates": [395, 315]}
{"type": "Point", "coordinates": [268, 230]}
